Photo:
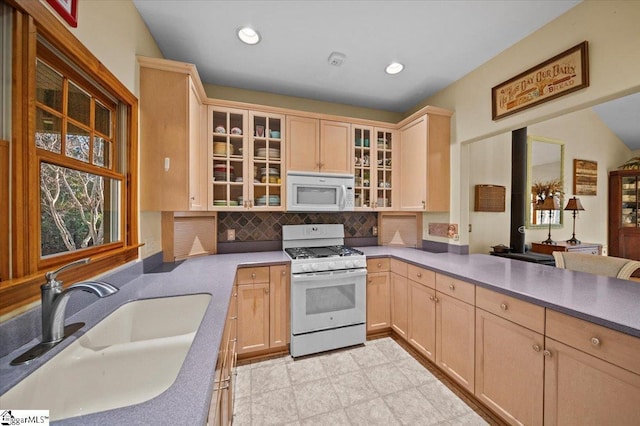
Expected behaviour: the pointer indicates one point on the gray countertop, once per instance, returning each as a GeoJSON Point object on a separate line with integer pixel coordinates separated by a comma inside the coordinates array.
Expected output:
{"type": "Point", "coordinates": [607, 301]}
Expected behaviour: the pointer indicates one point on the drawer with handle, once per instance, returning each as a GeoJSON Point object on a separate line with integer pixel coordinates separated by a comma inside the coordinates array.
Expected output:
{"type": "Point", "coordinates": [398, 267]}
{"type": "Point", "coordinates": [610, 345]}
{"type": "Point", "coordinates": [524, 313]}
{"type": "Point", "coordinates": [458, 289]}
{"type": "Point", "coordinates": [421, 275]}
{"type": "Point", "coordinates": [380, 264]}
{"type": "Point", "coordinates": [253, 275]}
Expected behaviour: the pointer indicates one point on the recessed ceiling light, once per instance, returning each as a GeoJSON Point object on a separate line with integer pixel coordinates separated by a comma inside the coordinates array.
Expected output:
{"type": "Point", "coordinates": [249, 35]}
{"type": "Point", "coordinates": [394, 68]}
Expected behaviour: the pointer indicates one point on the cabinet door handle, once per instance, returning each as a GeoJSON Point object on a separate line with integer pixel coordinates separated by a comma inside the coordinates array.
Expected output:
{"type": "Point", "coordinates": [379, 265]}
{"type": "Point", "coordinates": [436, 299]}
{"type": "Point", "coordinates": [452, 287]}
{"type": "Point", "coordinates": [235, 317]}
{"type": "Point", "coordinates": [419, 274]}
{"type": "Point", "coordinates": [546, 353]}
{"type": "Point", "coordinates": [253, 275]}
{"type": "Point", "coordinates": [424, 205]}
{"type": "Point", "coordinates": [266, 291]}
{"type": "Point", "coordinates": [536, 347]}
{"type": "Point", "coordinates": [283, 273]}
{"type": "Point", "coordinates": [595, 341]}
{"type": "Point", "coordinates": [431, 298]}
{"type": "Point", "coordinates": [504, 306]}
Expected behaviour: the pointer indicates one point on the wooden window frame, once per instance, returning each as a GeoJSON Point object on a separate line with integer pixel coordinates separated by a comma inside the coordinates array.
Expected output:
{"type": "Point", "coordinates": [31, 19]}
{"type": "Point", "coordinates": [62, 159]}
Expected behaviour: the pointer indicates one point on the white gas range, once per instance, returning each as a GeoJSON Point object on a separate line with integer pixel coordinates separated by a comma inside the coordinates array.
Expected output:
{"type": "Point", "coordinates": [328, 289]}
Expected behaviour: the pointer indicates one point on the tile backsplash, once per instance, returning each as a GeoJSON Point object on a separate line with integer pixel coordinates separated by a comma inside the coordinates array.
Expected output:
{"type": "Point", "coordinates": [267, 226]}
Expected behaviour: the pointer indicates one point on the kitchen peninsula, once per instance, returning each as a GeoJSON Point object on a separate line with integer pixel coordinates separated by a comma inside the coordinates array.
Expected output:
{"type": "Point", "coordinates": [607, 302]}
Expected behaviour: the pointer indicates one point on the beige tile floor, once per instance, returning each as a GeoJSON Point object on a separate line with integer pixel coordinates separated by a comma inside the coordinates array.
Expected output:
{"type": "Point", "coordinates": [376, 384]}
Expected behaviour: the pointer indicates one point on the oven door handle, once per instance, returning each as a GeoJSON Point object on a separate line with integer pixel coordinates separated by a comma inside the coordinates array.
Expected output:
{"type": "Point", "coordinates": [317, 276]}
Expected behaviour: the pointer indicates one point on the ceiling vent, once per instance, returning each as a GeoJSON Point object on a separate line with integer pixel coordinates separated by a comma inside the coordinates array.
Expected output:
{"type": "Point", "coordinates": [336, 59]}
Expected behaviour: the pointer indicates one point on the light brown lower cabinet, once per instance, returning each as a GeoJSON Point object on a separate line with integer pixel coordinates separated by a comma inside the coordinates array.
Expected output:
{"type": "Point", "coordinates": [378, 308]}
{"type": "Point", "coordinates": [263, 308]}
{"type": "Point", "coordinates": [455, 339]}
{"type": "Point", "coordinates": [509, 369]}
{"type": "Point", "coordinates": [581, 389]}
{"type": "Point", "coordinates": [592, 374]}
{"type": "Point", "coordinates": [378, 295]}
{"type": "Point", "coordinates": [439, 326]}
{"type": "Point", "coordinates": [221, 407]}
{"type": "Point", "coordinates": [399, 299]}
{"type": "Point", "coordinates": [422, 319]}
{"type": "Point", "coordinates": [279, 318]}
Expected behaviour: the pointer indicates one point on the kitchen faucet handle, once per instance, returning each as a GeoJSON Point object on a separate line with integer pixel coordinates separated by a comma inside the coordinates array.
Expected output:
{"type": "Point", "coordinates": [52, 276]}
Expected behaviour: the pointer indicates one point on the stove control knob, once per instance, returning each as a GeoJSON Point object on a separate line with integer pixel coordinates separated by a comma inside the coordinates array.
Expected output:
{"type": "Point", "coordinates": [348, 264]}
{"type": "Point", "coordinates": [332, 265]}
{"type": "Point", "coordinates": [315, 266]}
{"type": "Point", "coordinates": [360, 263]}
{"type": "Point", "coordinates": [306, 267]}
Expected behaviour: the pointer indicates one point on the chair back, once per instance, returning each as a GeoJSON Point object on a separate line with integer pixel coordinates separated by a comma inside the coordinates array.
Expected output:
{"type": "Point", "coordinates": [598, 265]}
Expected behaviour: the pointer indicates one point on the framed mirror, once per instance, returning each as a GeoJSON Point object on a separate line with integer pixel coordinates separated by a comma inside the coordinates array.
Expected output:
{"type": "Point", "coordinates": [545, 178]}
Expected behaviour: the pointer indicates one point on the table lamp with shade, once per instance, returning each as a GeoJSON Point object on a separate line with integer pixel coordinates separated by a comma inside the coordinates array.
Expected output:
{"type": "Point", "coordinates": [550, 203]}
{"type": "Point", "coordinates": [574, 205]}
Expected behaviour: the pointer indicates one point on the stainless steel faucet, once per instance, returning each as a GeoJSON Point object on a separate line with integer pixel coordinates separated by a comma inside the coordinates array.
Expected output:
{"type": "Point", "coordinates": [54, 305]}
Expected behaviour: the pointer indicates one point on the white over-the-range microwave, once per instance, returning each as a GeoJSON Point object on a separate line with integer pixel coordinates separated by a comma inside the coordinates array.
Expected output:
{"type": "Point", "coordinates": [319, 192]}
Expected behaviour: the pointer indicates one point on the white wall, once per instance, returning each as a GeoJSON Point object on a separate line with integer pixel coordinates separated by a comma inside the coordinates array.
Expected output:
{"type": "Point", "coordinates": [585, 137]}
{"type": "Point", "coordinates": [612, 30]}
{"type": "Point", "coordinates": [491, 165]}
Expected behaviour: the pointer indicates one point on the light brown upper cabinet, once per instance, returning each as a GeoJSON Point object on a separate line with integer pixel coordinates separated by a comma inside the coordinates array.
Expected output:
{"type": "Point", "coordinates": [172, 149]}
{"type": "Point", "coordinates": [245, 161]}
{"type": "Point", "coordinates": [374, 150]}
{"type": "Point", "coordinates": [424, 162]}
{"type": "Point", "coordinates": [318, 145]}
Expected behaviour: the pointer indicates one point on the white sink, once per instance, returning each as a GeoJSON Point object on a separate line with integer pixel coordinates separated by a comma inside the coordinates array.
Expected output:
{"type": "Point", "coordinates": [131, 356]}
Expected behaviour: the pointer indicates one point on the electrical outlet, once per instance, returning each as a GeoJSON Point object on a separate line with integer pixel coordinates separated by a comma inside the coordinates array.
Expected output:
{"type": "Point", "coordinates": [374, 231]}
{"type": "Point", "coordinates": [231, 234]}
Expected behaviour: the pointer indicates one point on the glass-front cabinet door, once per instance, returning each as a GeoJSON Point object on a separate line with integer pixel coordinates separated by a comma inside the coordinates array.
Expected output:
{"type": "Point", "coordinates": [227, 129]}
{"type": "Point", "coordinates": [266, 161]}
{"type": "Point", "coordinates": [245, 159]}
{"type": "Point", "coordinates": [373, 167]}
{"type": "Point", "coordinates": [384, 161]}
{"type": "Point", "coordinates": [629, 200]}
{"type": "Point", "coordinates": [362, 164]}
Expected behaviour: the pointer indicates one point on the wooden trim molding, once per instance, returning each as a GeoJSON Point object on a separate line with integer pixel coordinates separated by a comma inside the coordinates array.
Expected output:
{"type": "Point", "coordinates": [4, 210]}
{"type": "Point", "coordinates": [18, 292]}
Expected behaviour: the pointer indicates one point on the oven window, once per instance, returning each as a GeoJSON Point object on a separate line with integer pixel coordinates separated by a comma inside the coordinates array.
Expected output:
{"type": "Point", "coordinates": [323, 300]}
{"type": "Point", "coordinates": [311, 195]}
